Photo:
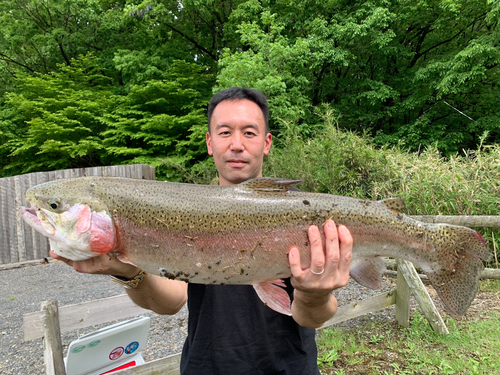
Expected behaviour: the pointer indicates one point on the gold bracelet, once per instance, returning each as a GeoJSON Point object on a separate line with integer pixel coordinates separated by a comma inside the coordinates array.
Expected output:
{"type": "Point", "coordinates": [130, 284]}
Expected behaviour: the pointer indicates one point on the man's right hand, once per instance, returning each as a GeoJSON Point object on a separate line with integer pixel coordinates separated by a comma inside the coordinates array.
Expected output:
{"type": "Point", "coordinates": [159, 294]}
{"type": "Point", "coordinates": [106, 264]}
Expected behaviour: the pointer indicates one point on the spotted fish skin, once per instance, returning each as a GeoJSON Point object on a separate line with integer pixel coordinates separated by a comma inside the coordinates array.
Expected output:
{"type": "Point", "coordinates": [241, 234]}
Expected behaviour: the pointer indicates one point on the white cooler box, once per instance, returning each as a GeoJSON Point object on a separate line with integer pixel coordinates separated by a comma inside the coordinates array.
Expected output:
{"type": "Point", "coordinates": [109, 349]}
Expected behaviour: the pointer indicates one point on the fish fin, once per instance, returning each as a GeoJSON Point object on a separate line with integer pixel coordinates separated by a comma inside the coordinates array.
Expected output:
{"type": "Point", "coordinates": [269, 184]}
{"type": "Point", "coordinates": [394, 204]}
{"type": "Point", "coordinates": [456, 275]}
{"type": "Point", "coordinates": [273, 295]}
{"type": "Point", "coordinates": [369, 272]}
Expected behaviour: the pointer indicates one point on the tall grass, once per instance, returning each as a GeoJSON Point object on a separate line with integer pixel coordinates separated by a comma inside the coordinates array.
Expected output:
{"type": "Point", "coordinates": [345, 163]}
{"type": "Point", "coordinates": [467, 184]}
{"type": "Point", "coordinates": [332, 162]}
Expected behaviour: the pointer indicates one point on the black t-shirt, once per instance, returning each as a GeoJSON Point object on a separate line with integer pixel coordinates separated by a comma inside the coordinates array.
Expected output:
{"type": "Point", "coordinates": [230, 331]}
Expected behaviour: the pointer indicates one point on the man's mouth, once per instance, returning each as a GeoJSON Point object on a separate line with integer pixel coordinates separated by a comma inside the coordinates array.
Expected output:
{"type": "Point", "coordinates": [237, 163]}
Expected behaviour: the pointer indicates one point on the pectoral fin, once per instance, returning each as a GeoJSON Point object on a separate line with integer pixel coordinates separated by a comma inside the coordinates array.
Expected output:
{"type": "Point", "coordinates": [273, 295]}
{"type": "Point", "coordinates": [369, 272]}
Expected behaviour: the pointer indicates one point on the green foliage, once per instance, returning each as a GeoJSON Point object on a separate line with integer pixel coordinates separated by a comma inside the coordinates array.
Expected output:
{"type": "Point", "coordinates": [418, 75]}
{"type": "Point", "coordinates": [334, 161]}
{"type": "Point", "coordinates": [54, 120]}
{"type": "Point", "coordinates": [344, 163]}
{"type": "Point", "coordinates": [422, 72]}
{"type": "Point", "coordinates": [73, 118]}
{"type": "Point", "coordinates": [162, 121]}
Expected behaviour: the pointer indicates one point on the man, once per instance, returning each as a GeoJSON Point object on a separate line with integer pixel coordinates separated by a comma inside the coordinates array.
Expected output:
{"type": "Point", "coordinates": [230, 331]}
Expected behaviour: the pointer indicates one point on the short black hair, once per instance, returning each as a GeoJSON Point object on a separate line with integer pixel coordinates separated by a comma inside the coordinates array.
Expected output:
{"type": "Point", "coordinates": [240, 93]}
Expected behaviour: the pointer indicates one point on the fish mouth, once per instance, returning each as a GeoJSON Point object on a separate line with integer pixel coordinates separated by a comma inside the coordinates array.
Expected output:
{"type": "Point", "coordinates": [34, 217]}
{"type": "Point", "coordinates": [29, 213]}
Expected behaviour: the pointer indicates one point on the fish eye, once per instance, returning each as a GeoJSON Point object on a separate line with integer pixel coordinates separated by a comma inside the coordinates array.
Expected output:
{"type": "Point", "coordinates": [54, 204]}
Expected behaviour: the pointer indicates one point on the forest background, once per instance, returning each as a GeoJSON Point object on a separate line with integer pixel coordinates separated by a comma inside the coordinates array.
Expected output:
{"type": "Point", "coordinates": [367, 98]}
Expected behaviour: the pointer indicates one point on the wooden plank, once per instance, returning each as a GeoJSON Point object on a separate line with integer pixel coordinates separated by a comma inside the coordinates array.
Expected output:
{"type": "Point", "coordinates": [466, 221]}
{"type": "Point", "coordinates": [165, 366]}
{"type": "Point", "coordinates": [52, 346]}
{"type": "Point", "coordinates": [24, 232]}
{"type": "Point", "coordinates": [362, 307]}
{"type": "Point", "coordinates": [8, 229]}
{"type": "Point", "coordinates": [402, 301]}
{"type": "Point", "coordinates": [28, 263]}
{"type": "Point", "coordinates": [83, 315]}
{"type": "Point", "coordinates": [422, 296]}
{"type": "Point", "coordinates": [490, 273]}
{"type": "Point", "coordinates": [40, 245]}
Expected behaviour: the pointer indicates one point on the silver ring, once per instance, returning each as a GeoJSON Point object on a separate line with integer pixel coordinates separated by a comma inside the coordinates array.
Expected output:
{"type": "Point", "coordinates": [318, 273]}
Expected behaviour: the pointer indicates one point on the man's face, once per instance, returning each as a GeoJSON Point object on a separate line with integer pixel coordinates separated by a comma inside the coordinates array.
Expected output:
{"type": "Point", "coordinates": [238, 141]}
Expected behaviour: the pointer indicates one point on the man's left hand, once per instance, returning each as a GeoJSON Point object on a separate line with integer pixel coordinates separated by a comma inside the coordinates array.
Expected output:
{"type": "Point", "coordinates": [329, 270]}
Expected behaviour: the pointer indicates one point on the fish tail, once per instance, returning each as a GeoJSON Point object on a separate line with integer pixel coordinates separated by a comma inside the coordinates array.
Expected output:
{"type": "Point", "coordinates": [460, 253]}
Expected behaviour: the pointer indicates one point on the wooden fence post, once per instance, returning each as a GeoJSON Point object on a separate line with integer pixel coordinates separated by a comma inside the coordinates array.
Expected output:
{"type": "Point", "coordinates": [424, 300]}
{"type": "Point", "coordinates": [52, 346]}
{"type": "Point", "coordinates": [402, 300]}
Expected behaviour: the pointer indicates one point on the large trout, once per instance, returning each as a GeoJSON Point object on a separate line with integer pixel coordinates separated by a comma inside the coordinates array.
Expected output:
{"type": "Point", "coordinates": [241, 234]}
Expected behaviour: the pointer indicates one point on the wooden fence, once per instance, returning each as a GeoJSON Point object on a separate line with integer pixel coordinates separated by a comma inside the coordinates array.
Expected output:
{"type": "Point", "coordinates": [18, 241]}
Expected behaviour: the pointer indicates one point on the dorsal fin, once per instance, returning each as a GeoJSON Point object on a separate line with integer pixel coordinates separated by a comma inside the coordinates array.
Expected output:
{"type": "Point", "coordinates": [395, 204]}
{"type": "Point", "coordinates": [269, 184]}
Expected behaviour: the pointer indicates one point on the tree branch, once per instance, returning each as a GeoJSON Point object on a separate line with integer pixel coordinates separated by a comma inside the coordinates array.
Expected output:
{"type": "Point", "coordinates": [201, 48]}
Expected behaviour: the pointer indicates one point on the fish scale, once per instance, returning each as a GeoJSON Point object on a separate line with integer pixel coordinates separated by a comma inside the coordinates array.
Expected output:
{"type": "Point", "coordinates": [241, 234]}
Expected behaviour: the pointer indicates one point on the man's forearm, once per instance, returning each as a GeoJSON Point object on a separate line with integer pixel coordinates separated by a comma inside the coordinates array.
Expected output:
{"type": "Point", "coordinates": [312, 313]}
{"type": "Point", "coordinates": [161, 295]}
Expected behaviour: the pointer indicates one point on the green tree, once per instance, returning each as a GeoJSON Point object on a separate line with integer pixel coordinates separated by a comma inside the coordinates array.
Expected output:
{"type": "Point", "coordinates": [417, 72]}
{"type": "Point", "coordinates": [53, 121]}
{"type": "Point", "coordinates": [73, 118]}
{"type": "Point", "coordinates": [162, 122]}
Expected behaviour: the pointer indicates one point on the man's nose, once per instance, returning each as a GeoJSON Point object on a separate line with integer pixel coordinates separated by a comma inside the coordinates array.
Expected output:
{"type": "Point", "coordinates": [237, 142]}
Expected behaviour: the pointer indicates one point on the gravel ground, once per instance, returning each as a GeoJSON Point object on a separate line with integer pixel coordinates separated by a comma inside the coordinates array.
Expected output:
{"type": "Point", "coordinates": [24, 289]}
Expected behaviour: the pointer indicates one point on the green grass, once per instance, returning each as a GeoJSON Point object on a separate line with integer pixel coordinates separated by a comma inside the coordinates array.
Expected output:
{"type": "Point", "coordinates": [489, 285]}
{"type": "Point", "coordinates": [471, 348]}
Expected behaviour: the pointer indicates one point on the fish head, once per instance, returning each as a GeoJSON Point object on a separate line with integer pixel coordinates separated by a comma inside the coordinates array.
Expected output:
{"type": "Point", "coordinates": [77, 225]}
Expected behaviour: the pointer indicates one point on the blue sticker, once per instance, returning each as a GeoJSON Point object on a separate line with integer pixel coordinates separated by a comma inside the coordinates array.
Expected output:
{"type": "Point", "coordinates": [132, 347]}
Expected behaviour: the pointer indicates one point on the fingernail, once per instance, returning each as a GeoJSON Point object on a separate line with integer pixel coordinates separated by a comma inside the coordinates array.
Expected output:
{"type": "Point", "coordinates": [330, 224]}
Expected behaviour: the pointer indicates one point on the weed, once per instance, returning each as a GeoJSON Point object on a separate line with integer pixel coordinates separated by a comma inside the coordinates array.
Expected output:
{"type": "Point", "coordinates": [328, 358]}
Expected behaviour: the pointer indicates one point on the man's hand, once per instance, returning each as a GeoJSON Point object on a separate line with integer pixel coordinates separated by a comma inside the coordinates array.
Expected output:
{"type": "Point", "coordinates": [106, 264]}
{"type": "Point", "coordinates": [313, 302]}
{"type": "Point", "coordinates": [163, 296]}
